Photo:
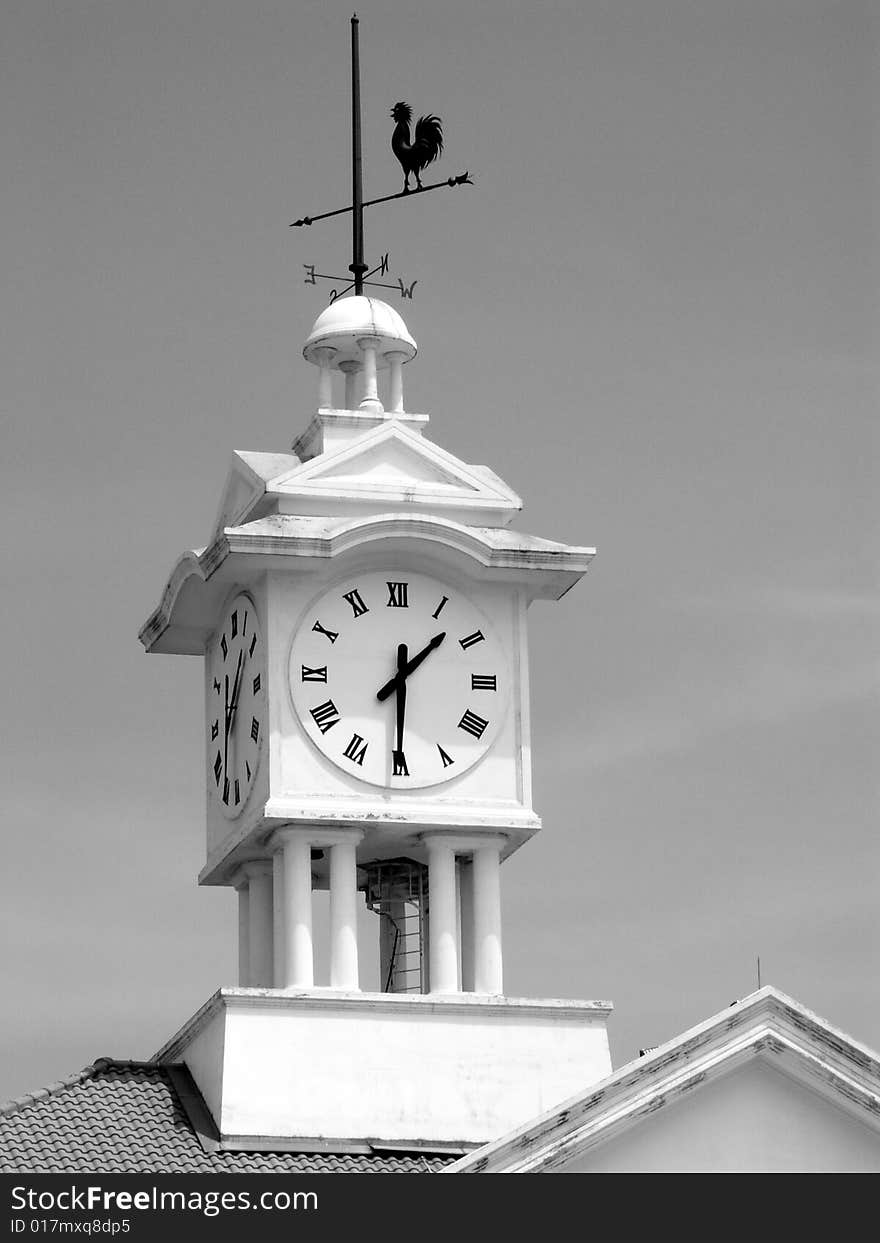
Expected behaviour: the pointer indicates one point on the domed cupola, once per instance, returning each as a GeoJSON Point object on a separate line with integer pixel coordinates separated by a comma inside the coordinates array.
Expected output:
{"type": "Point", "coordinates": [360, 336]}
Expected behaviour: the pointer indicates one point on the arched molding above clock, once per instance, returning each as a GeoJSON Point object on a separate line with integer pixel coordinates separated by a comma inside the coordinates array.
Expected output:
{"type": "Point", "coordinates": [187, 611]}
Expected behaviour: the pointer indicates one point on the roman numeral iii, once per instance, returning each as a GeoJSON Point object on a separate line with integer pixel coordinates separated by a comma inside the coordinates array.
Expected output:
{"type": "Point", "coordinates": [483, 682]}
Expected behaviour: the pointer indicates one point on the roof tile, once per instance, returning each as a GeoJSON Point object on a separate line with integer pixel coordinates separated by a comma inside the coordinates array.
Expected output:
{"type": "Point", "coordinates": [120, 1117]}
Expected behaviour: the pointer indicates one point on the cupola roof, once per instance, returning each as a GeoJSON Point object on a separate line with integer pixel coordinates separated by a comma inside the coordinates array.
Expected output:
{"type": "Point", "coordinates": [347, 321]}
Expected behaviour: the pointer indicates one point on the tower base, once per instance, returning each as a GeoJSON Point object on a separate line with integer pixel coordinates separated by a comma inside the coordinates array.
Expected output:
{"type": "Point", "coordinates": [325, 1068]}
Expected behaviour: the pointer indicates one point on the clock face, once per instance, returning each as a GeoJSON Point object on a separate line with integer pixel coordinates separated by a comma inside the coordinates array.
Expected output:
{"type": "Point", "coordinates": [398, 679]}
{"type": "Point", "coordinates": [236, 705]}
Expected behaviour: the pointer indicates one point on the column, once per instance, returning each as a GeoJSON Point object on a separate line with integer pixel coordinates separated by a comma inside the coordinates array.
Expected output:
{"type": "Point", "coordinates": [244, 962]}
{"type": "Point", "coordinates": [466, 919]}
{"type": "Point", "coordinates": [343, 916]}
{"type": "Point", "coordinates": [325, 355]}
{"type": "Point", "coordinates": [442, 949]}
{"type": "Point", "coordinates": [487, 919]}
{"type": "Point", "coordinates": [370, 400]}
{"type": "Point", "coordinates": [349, 370]}
{"type": "Point", "coordinates": [396, 359]}
{"type": "Point", "coordinates": [277, 922]}
{"type": "Point", "coordinates": [295, 855]}
{"type": "Point", "coordinates": [260, 920]}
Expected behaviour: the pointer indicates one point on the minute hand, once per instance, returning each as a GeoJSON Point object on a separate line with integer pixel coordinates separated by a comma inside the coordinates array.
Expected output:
{"type": "Point", "coordinates": [402, 674]}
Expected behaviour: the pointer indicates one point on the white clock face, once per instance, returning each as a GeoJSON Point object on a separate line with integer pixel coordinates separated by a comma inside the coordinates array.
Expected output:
{"type": "Point", "coordinates": [236, 705]}
{"type": "Point", "coordinates": [398, 678]}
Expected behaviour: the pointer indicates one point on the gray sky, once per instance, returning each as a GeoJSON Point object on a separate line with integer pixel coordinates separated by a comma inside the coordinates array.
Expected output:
{"type": "Point", "coordinates": [654, 315]}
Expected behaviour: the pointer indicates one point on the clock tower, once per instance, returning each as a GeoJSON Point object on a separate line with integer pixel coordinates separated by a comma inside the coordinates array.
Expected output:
{"type": "Point", "coordinates": [361, 610]}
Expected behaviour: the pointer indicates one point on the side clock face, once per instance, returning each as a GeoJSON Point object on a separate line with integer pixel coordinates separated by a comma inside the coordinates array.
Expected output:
{"type": "Point", "coordinates": [399, 679]}
{"type": "Point", "coordinates": [236, 705]}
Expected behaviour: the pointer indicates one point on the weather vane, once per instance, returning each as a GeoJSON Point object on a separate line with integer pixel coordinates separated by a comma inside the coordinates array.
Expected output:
{"type": "Point", "coordinates": [414, 150]}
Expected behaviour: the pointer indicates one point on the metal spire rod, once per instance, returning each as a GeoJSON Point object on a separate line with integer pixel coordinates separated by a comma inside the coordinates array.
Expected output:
{"type": "Point", "coordinates": [357, 266]}
{"type": "Point", "coordinates": [463, 179]}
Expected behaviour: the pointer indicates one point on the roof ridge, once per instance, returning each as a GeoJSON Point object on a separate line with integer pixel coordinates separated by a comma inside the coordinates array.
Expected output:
{"type": "Point", "coordinates": [99, 1065]}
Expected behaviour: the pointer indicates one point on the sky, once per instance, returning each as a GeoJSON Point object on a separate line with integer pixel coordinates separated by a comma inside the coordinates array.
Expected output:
{"type": "Point", "coordinates": [654, 315]}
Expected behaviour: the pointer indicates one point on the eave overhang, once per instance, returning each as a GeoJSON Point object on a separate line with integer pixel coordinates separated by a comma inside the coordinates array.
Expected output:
{"type": "Point", "coordinates": [187, 612]}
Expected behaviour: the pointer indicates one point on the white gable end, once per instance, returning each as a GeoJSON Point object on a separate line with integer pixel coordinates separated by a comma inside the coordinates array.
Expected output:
{"type": "Point", "coordinates": [391, 467]}
{"type": "Point", "coordinates": [755, 1119]}
{"type": "Point", "coordinates": [396, 463]}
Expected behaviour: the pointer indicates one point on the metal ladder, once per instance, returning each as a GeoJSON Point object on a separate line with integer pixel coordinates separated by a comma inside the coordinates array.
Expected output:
{"type": "Point", "coordinates": [397, 890]}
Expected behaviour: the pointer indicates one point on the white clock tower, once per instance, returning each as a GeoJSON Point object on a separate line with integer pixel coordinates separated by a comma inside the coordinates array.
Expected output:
{"type": "Point", "coordinates": [361, 607]}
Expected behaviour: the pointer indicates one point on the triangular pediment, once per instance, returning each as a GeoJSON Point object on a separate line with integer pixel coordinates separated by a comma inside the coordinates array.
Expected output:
{"type": "Point", "coordinates": [393, 463]}
{"type": "Point", "coordinates": [774, 1059]}
{"type": "Point", "coordinates": [391, 466]}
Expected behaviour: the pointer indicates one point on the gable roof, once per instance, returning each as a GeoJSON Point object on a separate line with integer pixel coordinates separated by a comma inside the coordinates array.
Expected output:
{"type": "Point", "coordinates": [123, 1117]}
{"type": "Point", "coordinates": [386, 467]}
{"type": "Point", "coordinates": [767, 1024]}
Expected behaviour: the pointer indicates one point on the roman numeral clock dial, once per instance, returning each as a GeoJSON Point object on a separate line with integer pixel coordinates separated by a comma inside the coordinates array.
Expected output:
{"type": "Point", "coordinates": [236, 705]}
{"type": "Point", "coordinates": [398, 679]}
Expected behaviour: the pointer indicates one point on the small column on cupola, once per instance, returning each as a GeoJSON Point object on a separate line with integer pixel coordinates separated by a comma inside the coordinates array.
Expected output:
{"type": "Point", "coordinates": [361, 338]}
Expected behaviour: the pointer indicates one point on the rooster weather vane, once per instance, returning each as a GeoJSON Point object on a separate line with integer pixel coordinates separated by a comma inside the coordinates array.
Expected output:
{"type": "Point", "coordinates": [415, 150]}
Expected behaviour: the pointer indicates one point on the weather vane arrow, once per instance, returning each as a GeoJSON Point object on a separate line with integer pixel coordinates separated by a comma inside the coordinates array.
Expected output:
{"type": "Point", "coordinates": [414, 155]}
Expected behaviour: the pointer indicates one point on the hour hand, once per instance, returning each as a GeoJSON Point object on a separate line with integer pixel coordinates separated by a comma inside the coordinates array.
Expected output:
{"type": "Point", "coordinates": [403, 673]}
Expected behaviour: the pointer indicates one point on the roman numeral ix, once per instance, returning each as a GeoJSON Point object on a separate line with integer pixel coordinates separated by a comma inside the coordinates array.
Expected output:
{"type": "Point", "coordinates": [314, 675]}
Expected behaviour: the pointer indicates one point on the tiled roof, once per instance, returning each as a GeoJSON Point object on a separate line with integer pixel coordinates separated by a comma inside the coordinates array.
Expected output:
{"type": "Point", "coordinates": [127, 1118]}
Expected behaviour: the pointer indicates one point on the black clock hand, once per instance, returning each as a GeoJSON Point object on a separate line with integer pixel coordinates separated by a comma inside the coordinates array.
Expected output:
{"type": "Point", "coordinates": [225, 722]}
{"type": "Point", "coordinates": [402, 674]}
{"type": "Point", "coordinates": [236, 689]}
{"type": "Point", "coordinates": [401, 695]}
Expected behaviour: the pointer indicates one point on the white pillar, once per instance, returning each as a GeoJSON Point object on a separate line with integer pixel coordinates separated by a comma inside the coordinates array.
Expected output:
{"type": "Point", "coordinates": [442, 949]}
{"type": "Point", "coordinates": [343, 917]}
{"type": "Point", "coordinates": [296, 862]}
{"type": "Point", "coordinates": [349, 370]}
{"type": "Point", "coordinates": [487, 920]}
{"type": "Point", "coordinates": [466, 920]}
{"type": "Point", "coordinates": [325, 355]}
{"type": "Point", "coordinates": [396, 359]}
{"type": "Point", "coordinates": [278, 901]}
{"type": "Point", "coordinates": [370, 400]}
{"type": "Point", "coordinates": [244, 958]}
{"type": "Point", "coordinates": [260, 919]}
